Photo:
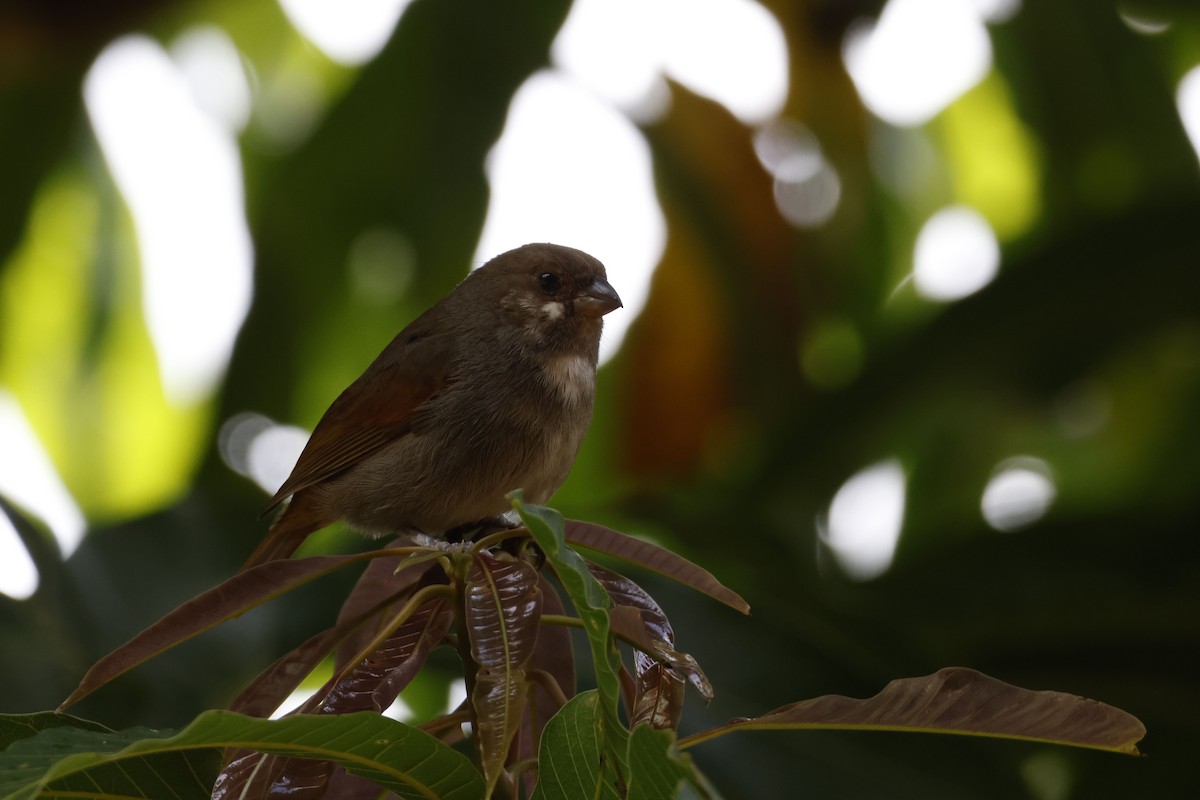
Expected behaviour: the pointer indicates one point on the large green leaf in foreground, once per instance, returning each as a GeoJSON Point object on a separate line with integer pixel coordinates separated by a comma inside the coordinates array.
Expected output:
{"type": "Point", "coordinates": [571, 766]}
{"type": "Point", "coordinates": [149, 764]}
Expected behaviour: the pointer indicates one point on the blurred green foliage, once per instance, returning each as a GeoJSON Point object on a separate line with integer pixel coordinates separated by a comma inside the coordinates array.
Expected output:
{"type": "Point", "coordinates": [769, 365]}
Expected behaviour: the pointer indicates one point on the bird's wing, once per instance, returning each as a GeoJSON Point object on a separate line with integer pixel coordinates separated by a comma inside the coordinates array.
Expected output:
{"type": "Point", "coordinates": [376, 409]}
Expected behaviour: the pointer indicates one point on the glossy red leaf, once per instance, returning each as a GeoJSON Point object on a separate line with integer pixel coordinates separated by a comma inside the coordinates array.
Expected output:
{"type": "Point", "coordinates": [222, 603]}
{"type": "Point", "coordinates": [659, 702]}
{"type": "Point", "coordinates": [391, 577]}
{"type": "Point", "coordinates": [370, 686]}
{"type": "Point", "coordinates": [503, 610]}
{"type": "Point", "coordinates": [274, 684]}
{"type": "Point", "coordinates": [657, 559]}
{"type": "Point", "coordinates": [638, 618]}
{"type": "Point", "coordinates": [376, 681]}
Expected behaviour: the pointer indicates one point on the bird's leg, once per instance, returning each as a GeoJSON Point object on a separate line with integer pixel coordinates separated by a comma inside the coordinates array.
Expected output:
{"type": "Point", "coordinates": [479, 528]}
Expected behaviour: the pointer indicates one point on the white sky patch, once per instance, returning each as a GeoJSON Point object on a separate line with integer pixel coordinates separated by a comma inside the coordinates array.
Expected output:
{"type": "Point", "coordinates": [1019, 493]}
{"type": "Point", "coordinates": [956, 254]}
{"type": "Point", "coordinates": [351, 32]}
{"type": "Point", "coordinates": [863, 525]}
{"type": "Point", "coordinates": [456, 694]}
{"type": "Point", "coordinates": [1187, 98]}
{"type": "Point", "coordinates": [732, 51]}
{"type": "Point", "coordinates": [296, 699]}
{"type": "Point", "coordinates": [28, 478]}
{"type": "Point", "coordinates": [180, 173]}
{"type": "Point", "coordinates": [571, 170]}
{"type": "Point", "coordinates": [18, 574]}
{"type": "Point", "coordinates": [399, 711]}
{"type": "Point", "coordinates": [917, 58]}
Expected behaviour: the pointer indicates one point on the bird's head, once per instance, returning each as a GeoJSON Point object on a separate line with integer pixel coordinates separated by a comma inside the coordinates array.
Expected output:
{"type": "Point", "coordinates": [557, 295]}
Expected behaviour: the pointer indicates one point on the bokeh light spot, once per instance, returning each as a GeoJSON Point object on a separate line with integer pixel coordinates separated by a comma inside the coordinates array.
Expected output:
{"type": "Point", "coordinates": [569, 169]}
{"type": "Point", "coordinates": [864, 520]}
{"type": "Point", "coordinates": [1019, 493]}
{"type": "Point", "coordinates": [807, 189]}
{"type": "Point", "coordinates": [732, 51]}
{"type": "Point", "coordinates": [28, 478]}
{"type": "Point", "coordinates": [1187, 98]}
{"type": "Point", "coordinates": [993, 158]}
{"type": "Point", "coordinates": [261, 449]}
{"type": "Point", "coordinates": [18, 573]}
{"type": "Point", "coordinates": [180, 173]}
{"type": "Point", "coordinates": [1143, 19]}
{"type": "Point", "coordinates": [917, 58]}
{"type": "Point", "coordinates": [349, 33]}
{"type": "Point", "coordinates": [956, 254]}
{"type": "Point", "coordinates": [212, 68]}
{"type": "Point", "coordinates": [997, 10]}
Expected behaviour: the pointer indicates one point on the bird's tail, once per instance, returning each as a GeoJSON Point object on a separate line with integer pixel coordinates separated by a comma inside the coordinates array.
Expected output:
{"type": "Point", "coordinates": [289, 531]}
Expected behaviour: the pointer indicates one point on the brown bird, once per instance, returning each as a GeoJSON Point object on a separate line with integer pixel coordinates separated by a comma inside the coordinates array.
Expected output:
{"type": "Point", "coordinates": [489, 390]}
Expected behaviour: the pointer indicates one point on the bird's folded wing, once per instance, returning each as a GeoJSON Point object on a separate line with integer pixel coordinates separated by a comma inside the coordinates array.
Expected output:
{"type": "Point", "coordinates": [375, 410]}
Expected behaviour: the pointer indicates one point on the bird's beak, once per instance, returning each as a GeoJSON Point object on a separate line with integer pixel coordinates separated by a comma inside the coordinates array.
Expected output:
{"type": "Point", "coordinates": [598, 299]}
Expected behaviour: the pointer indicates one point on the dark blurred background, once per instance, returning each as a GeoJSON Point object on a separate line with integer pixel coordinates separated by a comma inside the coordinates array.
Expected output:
{"type": "Point", "coordinates": [911, 359]}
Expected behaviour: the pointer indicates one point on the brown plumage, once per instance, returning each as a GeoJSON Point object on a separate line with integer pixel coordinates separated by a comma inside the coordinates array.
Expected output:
{"type": "Point", "coordinates": [489, 390]}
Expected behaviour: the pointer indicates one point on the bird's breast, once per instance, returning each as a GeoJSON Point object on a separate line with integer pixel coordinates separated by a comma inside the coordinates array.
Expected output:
{"type": "Point", "coordinates": [572, 377]}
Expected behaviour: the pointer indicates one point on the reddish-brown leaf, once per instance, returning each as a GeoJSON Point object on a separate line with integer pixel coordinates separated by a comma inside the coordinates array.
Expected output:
{"type": "Point", "coordinates": [375, 683]}
{"type": "Point", "coordinates": [659, 698]}
{"type": "Point", "coordinates": [962, 701]}
{"type": "Point", "coordinates": [257, 776]}
{"type": "Point", "coordinates": [657, 559]}
{"type": "Point", "coordinates": [638, 618]}
{"type": "Point", "coordinates": [220, 604]}
{"type": "Point", "coordinates": [344, 786]}
{"type": "Point", "coordinates": [370, 686]}
{"type": "Point", "coordinates": [390, 577]}
{"type": "Point", "coordinates": [274, 684]}
{"type": "Point", "coordinates": [503, 610]}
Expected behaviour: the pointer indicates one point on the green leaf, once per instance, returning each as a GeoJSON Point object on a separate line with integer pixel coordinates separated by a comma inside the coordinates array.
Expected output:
{"type": "Point", "coordinates": [149, 764]}
{"type": "Point", "coordinates": [592, 603]}
{"type": "Point", "coordinates": [961, 701]}
{"type": "Point", "coordinates": [656, 767]}
{"type": "Point", "coordinates": [87, 763]}
{"type": "Point", "coordinates": [15, 727]}
{"type": "Point", "coordinates": [570, 765]}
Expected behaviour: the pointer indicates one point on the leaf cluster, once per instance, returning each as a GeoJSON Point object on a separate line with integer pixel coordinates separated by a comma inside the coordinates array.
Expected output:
{"type": "Point", "coordinates": [494, 600]}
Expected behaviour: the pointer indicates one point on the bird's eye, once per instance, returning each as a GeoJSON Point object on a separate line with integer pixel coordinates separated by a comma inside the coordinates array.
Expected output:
{"type": "Point", "coordinates": [549, 282]}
